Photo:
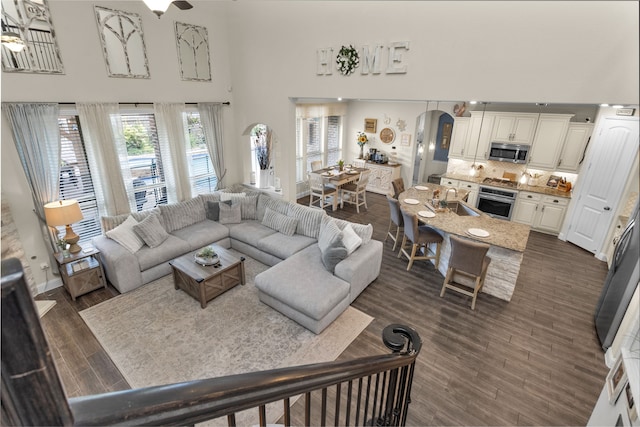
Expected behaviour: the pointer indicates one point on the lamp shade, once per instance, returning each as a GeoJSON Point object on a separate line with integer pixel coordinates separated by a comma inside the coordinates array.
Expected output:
{"type": "Point", "coordinates": [63, 212]}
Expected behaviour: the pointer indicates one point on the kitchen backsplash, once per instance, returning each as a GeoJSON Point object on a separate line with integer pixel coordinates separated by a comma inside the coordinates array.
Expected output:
{"type": "Point", "coordinates": [497, 170]}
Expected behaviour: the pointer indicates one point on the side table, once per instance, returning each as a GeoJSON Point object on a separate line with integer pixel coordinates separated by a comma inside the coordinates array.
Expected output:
{"type": "Point", "coordinates": [82, 272]}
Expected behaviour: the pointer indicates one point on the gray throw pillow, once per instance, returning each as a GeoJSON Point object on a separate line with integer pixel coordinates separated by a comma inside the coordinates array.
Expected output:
{"type": "Point", "coordinates": [328, 232]}
{"type": "Point", "coordinates": [229, 214]}
{"type": "Point", "coordinates": [248, 207]}
{"type": "Point", "coordinates": [213, 210]}
{"type": "Point", "coordinates": [333, 254]}
{"type": "Point", "coordinates": [279, 222]}
{"type": "Point", "coordinates": [151, 231]}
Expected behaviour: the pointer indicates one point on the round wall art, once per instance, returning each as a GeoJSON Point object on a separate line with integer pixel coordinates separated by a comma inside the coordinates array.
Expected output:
{"type": "Point", "coordinates": [387, 135]}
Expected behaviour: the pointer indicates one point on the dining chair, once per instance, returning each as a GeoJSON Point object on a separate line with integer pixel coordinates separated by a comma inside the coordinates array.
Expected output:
{"type": "Point", "coordinates": [321, 193]}
{"type": "Point", "coordinates": [315, 165]}
{"type": "Point", "coordinates": [398, 187]}
{"type": "Point", "coordinates": [419, 237]}
{"type": "Point", "coordinates": [356, 191]}
{"type": "Point", "coordinates": [359, 163]}
{"type": "Point", "coordinates": [467, 268]}
{"type": "Point", "coordinates": [395, 221]}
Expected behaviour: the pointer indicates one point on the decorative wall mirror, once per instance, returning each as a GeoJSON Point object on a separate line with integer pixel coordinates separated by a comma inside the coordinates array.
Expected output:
{"type": "Point", "coordinates": [34, 48]}
{"type": "Point", "coordinates": [193, 52]}
{"type": "Point", "coordinates": [122, 43]}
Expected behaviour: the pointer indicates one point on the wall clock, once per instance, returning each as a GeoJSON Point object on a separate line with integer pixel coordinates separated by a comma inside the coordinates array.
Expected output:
{"type": "Point", "coordinates": [387, 135]}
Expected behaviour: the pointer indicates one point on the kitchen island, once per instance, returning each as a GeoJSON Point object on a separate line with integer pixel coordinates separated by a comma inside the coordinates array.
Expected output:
{"type": "Point", "coordinates": [508, 240]}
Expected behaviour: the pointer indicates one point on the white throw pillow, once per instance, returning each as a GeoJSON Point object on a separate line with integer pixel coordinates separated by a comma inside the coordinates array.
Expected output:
{"type": "Point", "coordinates": [125, 236]}
{"type": "Point", "coordinates": [350, 239]}
{"type": "Point", "coordinates": [232, 196]}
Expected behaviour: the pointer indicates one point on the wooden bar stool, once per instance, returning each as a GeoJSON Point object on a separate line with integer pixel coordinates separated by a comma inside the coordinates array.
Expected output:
{"type": "Point", "coordinates": [420, 237]}
{"type": "Point", "coordinates": [468, 260]}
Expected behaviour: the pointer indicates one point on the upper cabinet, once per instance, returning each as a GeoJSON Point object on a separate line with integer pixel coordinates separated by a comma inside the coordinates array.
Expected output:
{"type": "Point", "coordinates": [515, 128]}
{"type": "Point", "coordinates": [549, 138]}
{"type": "Point", "coordinates": [471, 136]}
{"type": "Point", "coordinates": [575, 145]}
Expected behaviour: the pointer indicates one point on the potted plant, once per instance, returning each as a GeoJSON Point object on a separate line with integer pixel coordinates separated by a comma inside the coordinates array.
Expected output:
{"type": "Point", "coordinates": [340, 165]}
{"type": "Point", "coordinates": [64, 247]}
{"type": "Point", "coordinates": [207, 256]}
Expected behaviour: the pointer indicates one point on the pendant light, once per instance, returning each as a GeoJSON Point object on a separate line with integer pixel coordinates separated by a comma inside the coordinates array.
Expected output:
{"type": "Point", "coordinates": [474, 168]}
{"type": "Point", "coordinates": [158, 6]}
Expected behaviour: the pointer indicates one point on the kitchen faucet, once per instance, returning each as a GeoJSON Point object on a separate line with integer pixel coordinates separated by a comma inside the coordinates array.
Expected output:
{"type": "Point", "coordinates": [446, 193]}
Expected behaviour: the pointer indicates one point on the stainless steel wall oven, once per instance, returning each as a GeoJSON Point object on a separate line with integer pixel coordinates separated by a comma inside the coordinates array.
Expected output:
{"type": "Point", "coordinates": [496, 202]}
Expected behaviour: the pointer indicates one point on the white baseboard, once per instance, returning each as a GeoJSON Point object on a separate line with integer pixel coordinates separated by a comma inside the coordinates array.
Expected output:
{"type": "Point", "coordinates": [47, 286]}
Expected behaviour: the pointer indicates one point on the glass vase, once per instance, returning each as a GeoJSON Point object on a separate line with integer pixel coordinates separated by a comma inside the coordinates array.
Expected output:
{"type": "Point", "coordinates": [361, 156]}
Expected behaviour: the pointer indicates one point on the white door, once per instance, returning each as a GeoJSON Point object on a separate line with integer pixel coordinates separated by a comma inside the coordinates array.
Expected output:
{"type": "Point", "coordinates": [605, 175]}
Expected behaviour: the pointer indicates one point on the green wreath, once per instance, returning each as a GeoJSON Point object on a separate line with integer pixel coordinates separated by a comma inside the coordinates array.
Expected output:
{"type": "Point", "coordinates": [347, 60]}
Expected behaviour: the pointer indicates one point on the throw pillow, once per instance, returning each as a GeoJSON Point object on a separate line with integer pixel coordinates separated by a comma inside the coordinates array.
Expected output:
{"type": "Point", "coordinates": [125, 236]}
{"type": "Point", "coordinates": [232, 196]}
{"type": "Point", "coordinates": [333, 254]}
{"type": "Point", "coordinates": [248, 207]}
{"type": "Point", "coordinates": [213, 210]}
{"type": "Point", "coordinates": [350, 239]}
{"type": "Point", "coordinates": [151, 231]}
{"type": "Point", "coordinates": [279, 222]}
{"type": "Point", "coordinates": [328, 232]}
{"type": "Point", "coordinates": [229, 214]}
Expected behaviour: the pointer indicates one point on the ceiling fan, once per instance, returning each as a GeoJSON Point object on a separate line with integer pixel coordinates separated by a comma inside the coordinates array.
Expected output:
{"type": "Point", "coordinates": [160, 6]}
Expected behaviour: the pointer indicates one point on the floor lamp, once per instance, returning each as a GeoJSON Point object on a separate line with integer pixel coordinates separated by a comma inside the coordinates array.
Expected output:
{"type": "Point", "coordinates": [65, 212]}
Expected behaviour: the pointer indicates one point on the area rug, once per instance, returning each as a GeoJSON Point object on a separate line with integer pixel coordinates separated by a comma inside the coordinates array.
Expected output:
{"type": "Point", "coordinates": [158, 335]}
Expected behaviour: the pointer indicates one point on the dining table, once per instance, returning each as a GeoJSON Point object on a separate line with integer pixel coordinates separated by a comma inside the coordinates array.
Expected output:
{"type": "Point", "coordinates": [336, 177]}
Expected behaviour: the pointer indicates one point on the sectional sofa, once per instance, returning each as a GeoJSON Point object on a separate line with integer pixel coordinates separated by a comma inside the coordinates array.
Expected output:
{"type": "Point", "coordinates": [319, 264]}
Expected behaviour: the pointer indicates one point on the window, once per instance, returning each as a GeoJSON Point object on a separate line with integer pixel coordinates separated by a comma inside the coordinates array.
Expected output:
{"type": "Point", "coordinates": [318, 138]}
{"type": "Point", "coordinates": [75, 178]}
{"type": "Point", "coordinates": [203, 177]}
{"type": "Point", "coordinates": [144, 161]}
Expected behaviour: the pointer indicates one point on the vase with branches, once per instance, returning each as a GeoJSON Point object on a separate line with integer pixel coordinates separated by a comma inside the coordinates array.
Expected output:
{"type": "Point", "coordinates": [262, 141]}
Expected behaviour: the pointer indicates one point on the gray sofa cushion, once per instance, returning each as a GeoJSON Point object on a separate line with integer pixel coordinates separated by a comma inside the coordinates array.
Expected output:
{"type": "Point", "coordinates": [202, 233]}
{"type": "Point", "coordinates": [179, 215]}
{"type": "Point", "coordinates": [303, 284]}
{"type": "Point", "coordinates": [171, 248]}
{"type": "Point", "coordinates": [277, 205]}
{"type": "Point", "coordinates": [364, 231]}
{"type": "Point", "coordinates": [250, 232]}
{"type": "Point", "coordinates": [284, 246]}
{"type": "Point", "coordinates": [309, 219]}
{"type": "Point", "coordinates": [230, 214]}
{"type": "Point", "coordinates": [151, 231]}
{"type": "Point", "coordinates": [111, 222]}
{"type": "Point", "coordinates": [249, 207]}
{"type": "Point", "coordinates": [213, 209]}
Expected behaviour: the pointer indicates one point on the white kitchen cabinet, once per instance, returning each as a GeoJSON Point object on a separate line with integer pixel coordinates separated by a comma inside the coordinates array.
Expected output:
{"type": "Point", "coordinates": [479, 138]}
{"type": "Point", "coordinates": [515, 128]}
{"type": "Point", "coordinates": [542, 212]}
{"type": "Point", "coordinates": [574, 147]}
{"type": "Point", "coordinates": [459, 137]}
{"type": "Point", "coordinates": [447, 182]}
{"type": "Point", "coordinates": [548, 141]}
{"type": "Point", "coordinates": [381, 176]}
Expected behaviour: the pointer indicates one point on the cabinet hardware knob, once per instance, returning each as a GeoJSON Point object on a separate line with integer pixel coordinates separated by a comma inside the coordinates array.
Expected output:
{"type": "Point", "coordinates": [530, 197]}
{"type": "Point", "coordinates": [607, 208]}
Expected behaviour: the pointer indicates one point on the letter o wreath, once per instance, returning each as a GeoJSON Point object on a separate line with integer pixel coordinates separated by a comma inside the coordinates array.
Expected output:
{"type": "Point", "coordinates": [347, 60]}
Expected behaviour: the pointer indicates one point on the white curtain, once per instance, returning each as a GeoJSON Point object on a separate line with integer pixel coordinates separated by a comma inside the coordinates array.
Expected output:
{"type": "Point", "coordinates": [107, 155]}
{"type": "Point", "coordinates": [172, 138]}
{"type": "Point", "coordinates": [212, 123]}
{"type": "Point", "coordinates": [37, 138]}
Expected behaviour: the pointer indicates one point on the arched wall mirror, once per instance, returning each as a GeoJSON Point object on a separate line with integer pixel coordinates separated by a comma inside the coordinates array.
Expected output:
{"type": "Point", "coordinates": [29, 24]}
{"type": "Point", "coordinates": [193, 52]}
{"type": "Point", "coordinates": [122, 43]}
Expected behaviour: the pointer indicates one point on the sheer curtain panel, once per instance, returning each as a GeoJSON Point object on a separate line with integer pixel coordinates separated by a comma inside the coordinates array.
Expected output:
{"type": "Point", "coordinates": [107, 158]}
{"type": "Point", "coordinates": [37, 138]}
{"type": "Point", "coordinates": [212, 124]}
{"type": "Point", "coordinates": [172, 138]}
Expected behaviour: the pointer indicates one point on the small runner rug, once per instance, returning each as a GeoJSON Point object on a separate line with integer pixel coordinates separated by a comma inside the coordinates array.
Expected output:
{"type": "Point", "coordinates": [158, 335]}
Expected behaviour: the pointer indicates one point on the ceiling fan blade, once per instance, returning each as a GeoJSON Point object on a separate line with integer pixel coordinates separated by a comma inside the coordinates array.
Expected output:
{"type": "Point", "coordinates": [182, 5]}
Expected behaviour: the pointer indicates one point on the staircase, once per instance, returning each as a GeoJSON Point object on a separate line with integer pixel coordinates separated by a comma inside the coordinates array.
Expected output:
{"type": "Point", "coordinates": [372, 390]}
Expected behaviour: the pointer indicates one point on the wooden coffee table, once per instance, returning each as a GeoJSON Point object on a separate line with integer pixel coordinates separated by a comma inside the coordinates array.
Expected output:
{"type": "Point", "coordinates": [204, 283]}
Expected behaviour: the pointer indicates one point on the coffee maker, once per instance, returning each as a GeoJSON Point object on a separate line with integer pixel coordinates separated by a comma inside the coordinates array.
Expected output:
{"type": "Point", "coordinates": [372, 154]}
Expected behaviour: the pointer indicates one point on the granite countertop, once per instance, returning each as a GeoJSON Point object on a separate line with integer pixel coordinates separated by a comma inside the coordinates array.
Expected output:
{"type": "Point", "coordinates": [520, 187]}
{"type": "Point", "coordinates": [505, 234]}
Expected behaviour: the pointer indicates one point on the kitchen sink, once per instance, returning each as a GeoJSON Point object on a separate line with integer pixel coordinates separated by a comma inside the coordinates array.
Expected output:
{"type": "Point", "coordinates": [460, 209]}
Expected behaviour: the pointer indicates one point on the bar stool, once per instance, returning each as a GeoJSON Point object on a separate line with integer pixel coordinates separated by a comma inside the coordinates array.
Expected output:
{"type": "Point", "coordinates": [420, 237]}
{"type": "Point", "coordinates": [468, 260]}
{"type": "Point", "coordinates": [395, 221]}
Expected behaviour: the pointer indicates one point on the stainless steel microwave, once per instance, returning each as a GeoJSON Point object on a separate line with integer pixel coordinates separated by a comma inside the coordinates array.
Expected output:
{"type": "Point", "coordinates": [515, 153]}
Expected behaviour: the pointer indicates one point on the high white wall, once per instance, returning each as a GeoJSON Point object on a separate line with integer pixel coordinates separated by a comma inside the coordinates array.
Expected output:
{"type": "Point", "coordinates": [264, 56]}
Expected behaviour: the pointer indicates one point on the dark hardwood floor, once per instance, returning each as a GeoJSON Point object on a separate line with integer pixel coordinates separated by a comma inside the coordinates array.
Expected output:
{"type": "Point", "coordinates": [532, 361]}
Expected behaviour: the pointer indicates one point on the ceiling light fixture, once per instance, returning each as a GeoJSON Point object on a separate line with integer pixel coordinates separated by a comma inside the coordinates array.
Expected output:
{"type": "Point", "coordinates": [604, 105]}
{"type": "Point", "coordinates": [158, 6]}
{"type": "Point", "coordinates": [617, 106]}
{"type": "Point", "coordinates": [476, 168]}
{"type": "Point", "coordinates": [12, 41]}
